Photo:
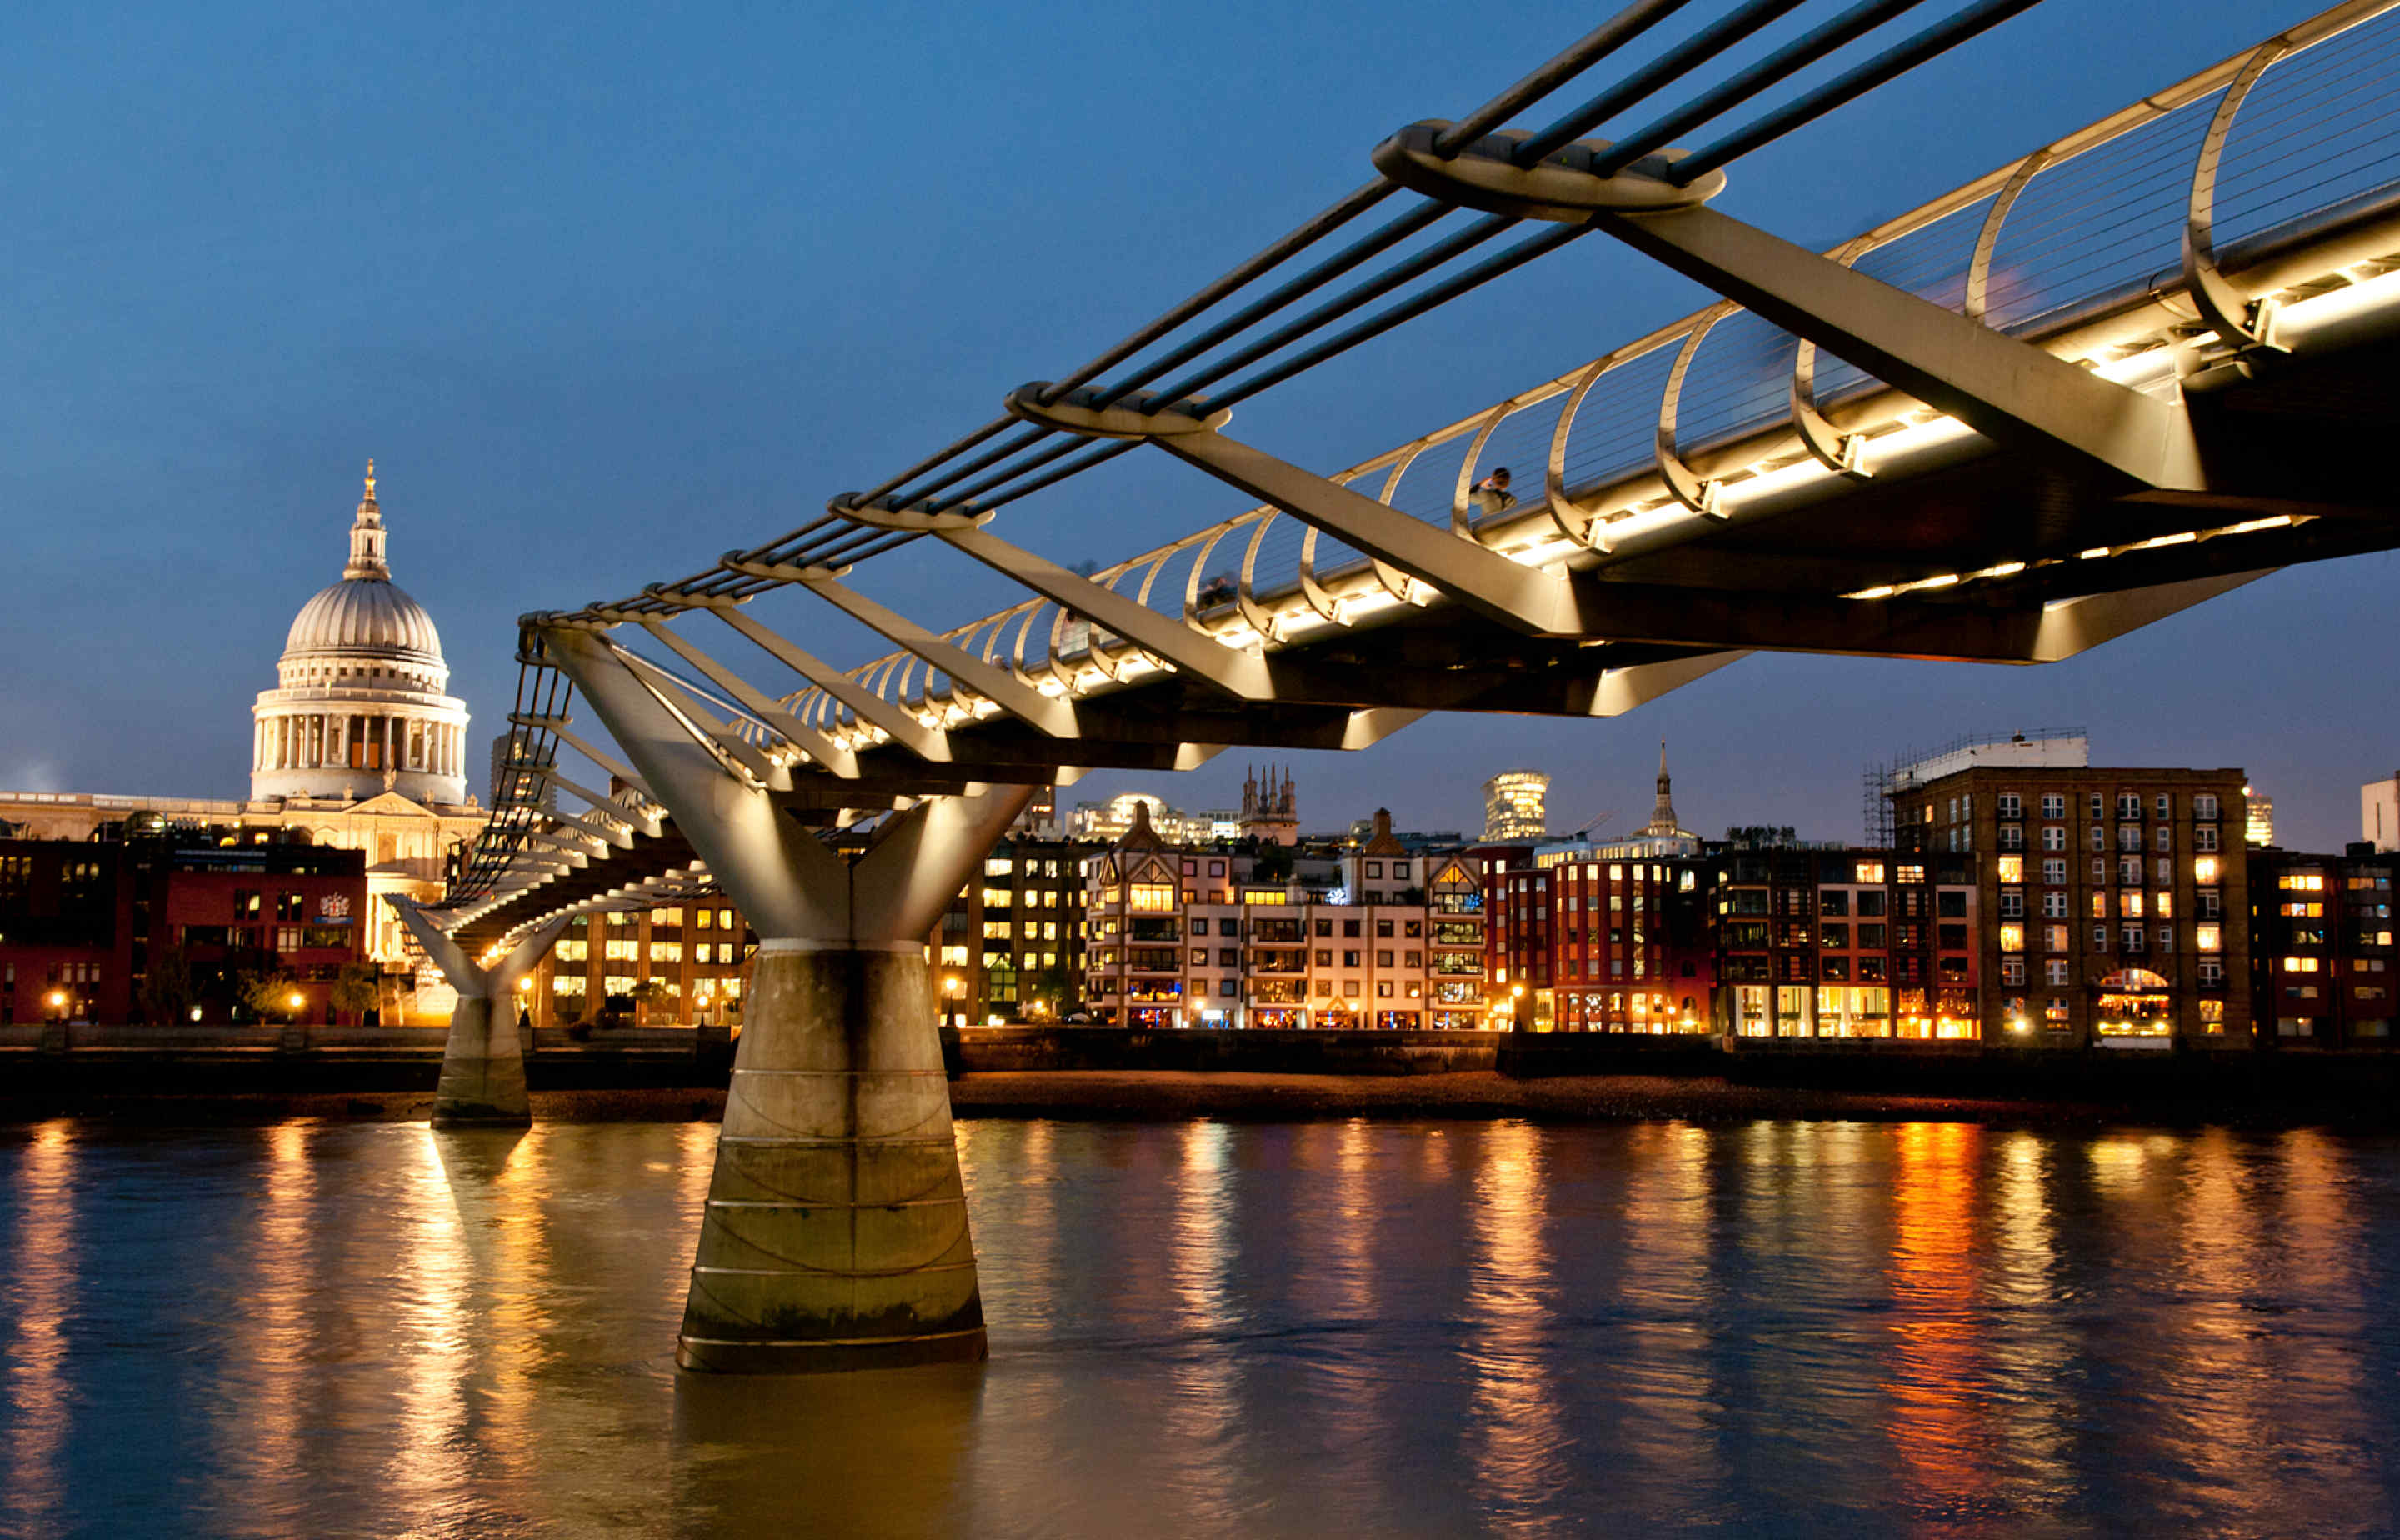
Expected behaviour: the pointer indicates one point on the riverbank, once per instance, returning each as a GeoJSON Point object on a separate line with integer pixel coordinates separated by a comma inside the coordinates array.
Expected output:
{"type": "Point", "coordinates": [1168, 1095]}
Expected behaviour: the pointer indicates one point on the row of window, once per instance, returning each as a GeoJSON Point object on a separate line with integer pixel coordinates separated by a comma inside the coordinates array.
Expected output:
{"type": "Point", "coordinates": [2056, 972]}
{"type": "Point", "coordinates": [2132, 904]}
{"type": "Point", "coordinates": [1231, 988]}
{"type": "Point", "coordinates": [626, 950]}
{"type": "Point", "coordinates": [2205, 938]}
{"type": "Point", "coordinates": [1035, 898]}
{"type": "Point", "coordinates": [572, 987]}
{"type": "Point", "coordinates": [2128, 838]}
{"type": "Point", "coordinates": [2206, 870]}
{"type": "Point", "coordinates": [2053, 805]}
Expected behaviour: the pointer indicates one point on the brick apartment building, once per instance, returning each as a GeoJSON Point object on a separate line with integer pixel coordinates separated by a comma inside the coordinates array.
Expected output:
{"type": "Point", "coordinates": [2117, 899]}
{"type": "Point", "coordinates": [1847, 943]}
{"type": "Point", "coordinates": [1600, 946]}
{"type": "Point", "coordinates": [2322, 958]}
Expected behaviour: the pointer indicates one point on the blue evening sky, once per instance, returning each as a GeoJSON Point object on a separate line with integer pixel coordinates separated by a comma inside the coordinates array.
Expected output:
{"type": "Point", "coordinates": [608, 290]}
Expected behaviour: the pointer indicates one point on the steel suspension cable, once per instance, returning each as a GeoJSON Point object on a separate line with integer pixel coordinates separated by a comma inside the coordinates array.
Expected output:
{"type": "Point", "coordinates": [1698, 49]}
{"type": "Point", "coordinates": [1938, 39]}
{"type": "Point", "coordinates": [1780, 65]}
{"type": "Point", "coordinates": [1595, 46]}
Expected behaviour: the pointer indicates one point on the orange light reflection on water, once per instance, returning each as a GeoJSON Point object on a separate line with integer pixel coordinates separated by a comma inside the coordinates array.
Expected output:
{"type": "Point", "coordinates": [1938, 1421]}
{"type": "Point", "coordinates": [1514, 1440]}
{"type": "Point", "coordinates": [40, 1289]}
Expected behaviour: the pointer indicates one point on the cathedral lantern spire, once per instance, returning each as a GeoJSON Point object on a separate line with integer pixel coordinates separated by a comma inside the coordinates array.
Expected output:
{"type": "Point", "coordinates": [366, 539]}
{"type": "Point", "coordinates": [1662, 814]}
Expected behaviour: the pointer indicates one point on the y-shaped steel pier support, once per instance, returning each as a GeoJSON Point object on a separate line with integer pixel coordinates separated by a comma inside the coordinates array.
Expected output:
{"type": "Point", "coordinates": [483, 1065]}
{"type": "Point", "coordinates": [836, 1236]}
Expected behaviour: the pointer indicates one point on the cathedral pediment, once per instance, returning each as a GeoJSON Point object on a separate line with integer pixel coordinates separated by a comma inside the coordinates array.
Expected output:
{"type": "Point", "coordinates": [390, 804]}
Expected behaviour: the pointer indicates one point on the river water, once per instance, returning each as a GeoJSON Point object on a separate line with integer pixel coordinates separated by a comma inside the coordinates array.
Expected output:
{"type": "Point", "coordinates": [1215, 1329]}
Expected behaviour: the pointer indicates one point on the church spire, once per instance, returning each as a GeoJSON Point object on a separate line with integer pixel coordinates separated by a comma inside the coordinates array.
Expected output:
{"type": "Point", "coordinates": [367, 537]}
{"type": "Point", "coordinates": [1662, 812]}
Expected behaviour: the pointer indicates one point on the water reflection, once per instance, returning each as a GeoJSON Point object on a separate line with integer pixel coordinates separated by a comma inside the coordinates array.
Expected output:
{"type": "Point", "coordinates": [40, 1290]}
{"type": "Point", "coordinates": [1513, 1439]}
{"type": "Point", "coordinates": [1937, 1416]}
{"type": "Point", "coordinates": [1207, 1328]}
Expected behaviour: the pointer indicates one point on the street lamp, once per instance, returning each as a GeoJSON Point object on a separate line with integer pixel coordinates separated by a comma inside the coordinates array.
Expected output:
{"type": "Point", "coordinates": [57, 999]}
{"type": "Point", "coordinates": [292, 1001]}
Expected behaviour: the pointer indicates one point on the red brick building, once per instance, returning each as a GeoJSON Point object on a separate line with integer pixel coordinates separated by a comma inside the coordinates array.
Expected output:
{"type": "Point", "coordinates": [2115, 899]}
{"type": "Point", "coordinates": [83, 923]}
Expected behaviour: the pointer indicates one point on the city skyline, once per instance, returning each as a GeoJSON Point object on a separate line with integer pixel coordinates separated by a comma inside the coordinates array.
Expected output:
{"type": "Point", "coordinates": [346, 280]}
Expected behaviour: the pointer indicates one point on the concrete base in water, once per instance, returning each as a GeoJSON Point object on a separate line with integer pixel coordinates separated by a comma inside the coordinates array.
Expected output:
{"type": "Point", "coordinates": [836, 1236]}
{"type": "Point", "coordinates": [482, 1081]}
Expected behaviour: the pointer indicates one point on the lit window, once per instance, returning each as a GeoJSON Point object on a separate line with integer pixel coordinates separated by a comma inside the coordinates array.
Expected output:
{"type": "Point", "coordinates": [1152, 897]}
{"type": "Point", "coordinates": [2203, 868]}
{"type": "Point", "coordinates": [2208, 938]}
{"type": "Point", "coordinates": [2301, 964]}
{"type": "Point", "coordinates": [2011, 938]}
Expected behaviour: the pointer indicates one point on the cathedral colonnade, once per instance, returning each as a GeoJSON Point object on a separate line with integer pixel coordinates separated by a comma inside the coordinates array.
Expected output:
{"type": "Point", "coordinates": [366, 742]}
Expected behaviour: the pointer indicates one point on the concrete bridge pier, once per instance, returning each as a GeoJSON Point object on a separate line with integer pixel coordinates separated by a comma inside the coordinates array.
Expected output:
{"type": "Point", "coordinates": [836, 1234]}
{"type": "Point", "coordinates": [483, 1079]}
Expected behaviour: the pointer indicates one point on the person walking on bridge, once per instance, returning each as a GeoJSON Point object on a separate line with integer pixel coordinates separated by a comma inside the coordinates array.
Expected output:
{"type": "Point", "coordinates": [1491, 494]}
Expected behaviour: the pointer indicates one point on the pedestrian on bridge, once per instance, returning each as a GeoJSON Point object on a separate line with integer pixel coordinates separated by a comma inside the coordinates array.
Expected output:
{"type": "Point", "coordinates": [1491, 494]}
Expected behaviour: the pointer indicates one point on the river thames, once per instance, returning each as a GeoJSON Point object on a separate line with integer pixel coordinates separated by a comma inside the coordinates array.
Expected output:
{"type": "Point", "coordinates": [1220, 1329]}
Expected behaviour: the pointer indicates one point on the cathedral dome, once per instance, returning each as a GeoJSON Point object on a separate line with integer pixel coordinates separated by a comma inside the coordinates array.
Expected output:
{"type": "Point", "coordinates": [365, 616]}
{"type": "Point", "coordinates": [362, 691]}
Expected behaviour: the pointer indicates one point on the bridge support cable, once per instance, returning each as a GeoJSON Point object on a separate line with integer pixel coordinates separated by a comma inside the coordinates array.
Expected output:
{"type": "Point", "coordinates": [483, 1081]}
{"type": "Point", "coordinates": [1885, 67]}
{"type": "Point", "coordinates": [1751, 17]}
{"type": "Point", "coordinates": [1776, 67]}
{"type": "Point", "coordinates": [834, 1235]}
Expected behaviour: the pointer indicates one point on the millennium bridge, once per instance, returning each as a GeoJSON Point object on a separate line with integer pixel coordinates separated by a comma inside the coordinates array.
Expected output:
{"type": "Point", "coordinates": [2130, 370]}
